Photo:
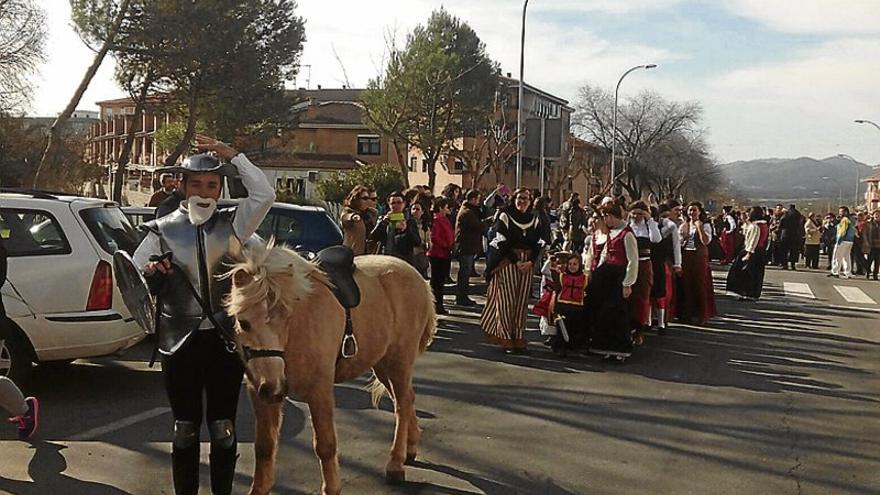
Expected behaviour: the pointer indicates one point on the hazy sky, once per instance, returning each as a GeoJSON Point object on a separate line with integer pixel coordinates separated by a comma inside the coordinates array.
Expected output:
{"type": "Point", "coordinates": [777, 78]}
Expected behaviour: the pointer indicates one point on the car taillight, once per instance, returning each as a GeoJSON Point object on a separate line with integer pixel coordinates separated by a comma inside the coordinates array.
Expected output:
{"type": "Point", "coordinates": [101, 292]}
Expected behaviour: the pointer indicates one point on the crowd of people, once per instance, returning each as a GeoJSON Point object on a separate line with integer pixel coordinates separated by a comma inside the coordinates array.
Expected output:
{"type": "Point", "coordinates": [850, 241]}
{"type": "Point", "coordinates": [611, 271]}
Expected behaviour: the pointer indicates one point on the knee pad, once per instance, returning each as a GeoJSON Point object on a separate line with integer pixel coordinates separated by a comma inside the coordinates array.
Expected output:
{"type": "Point", "coordinates": [222, 433]}
{"type": "Point", "coordinates": [186, 434]}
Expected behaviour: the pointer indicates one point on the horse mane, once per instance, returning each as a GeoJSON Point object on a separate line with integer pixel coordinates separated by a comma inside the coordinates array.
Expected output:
{"type": "Point", "coordinates": [266, 272]}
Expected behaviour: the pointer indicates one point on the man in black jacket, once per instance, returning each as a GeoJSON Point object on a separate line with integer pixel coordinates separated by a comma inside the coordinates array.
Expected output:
{"type": "Point", "coordinates": [791, 234]}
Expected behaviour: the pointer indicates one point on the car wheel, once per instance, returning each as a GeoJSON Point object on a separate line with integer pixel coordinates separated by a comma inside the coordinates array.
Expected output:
{"type": "Point", "coordinates": [15, 363]}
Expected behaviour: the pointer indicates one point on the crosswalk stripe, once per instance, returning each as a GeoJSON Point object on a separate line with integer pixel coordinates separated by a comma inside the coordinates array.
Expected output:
{"type": "Point", "coordinates": [797, 289]}
{"type": "Point", "coordinates": [853, 294]}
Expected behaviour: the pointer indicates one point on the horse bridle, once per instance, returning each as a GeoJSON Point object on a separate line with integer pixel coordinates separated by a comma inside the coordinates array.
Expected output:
{"type": "Point", "coordinates": [249, 353]}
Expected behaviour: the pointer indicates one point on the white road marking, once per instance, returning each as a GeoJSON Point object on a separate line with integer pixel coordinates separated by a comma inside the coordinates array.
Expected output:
{"type": "Point", "coordinates": [853, 294]}
{"type": "Point", "coordinates": [797, 289]}
{"type": "Point", "coordinates": [118, 425]}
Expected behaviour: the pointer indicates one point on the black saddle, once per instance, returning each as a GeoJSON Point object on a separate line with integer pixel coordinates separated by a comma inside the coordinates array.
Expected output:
{"type": "Point", "coordinates": [338, 263]}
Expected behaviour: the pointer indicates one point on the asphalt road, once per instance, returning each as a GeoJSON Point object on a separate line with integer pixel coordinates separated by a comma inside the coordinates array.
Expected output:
{"type": "Point", "coordinates": [777, 397]}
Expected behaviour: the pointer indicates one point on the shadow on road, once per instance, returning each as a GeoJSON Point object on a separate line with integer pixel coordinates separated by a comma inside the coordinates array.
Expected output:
{"type": "Point", "coordinates": [769, 346]}
{"type": "Point", "coordinates": [46, 469]}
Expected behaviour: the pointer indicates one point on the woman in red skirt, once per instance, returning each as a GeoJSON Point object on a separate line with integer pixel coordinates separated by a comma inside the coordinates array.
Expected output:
{"type": "Point", "coordinates": [644, 228]}
{"type": "Point", "coordinates": [666, 257]}
{"type": "Point", "coordinates": [697, 301]}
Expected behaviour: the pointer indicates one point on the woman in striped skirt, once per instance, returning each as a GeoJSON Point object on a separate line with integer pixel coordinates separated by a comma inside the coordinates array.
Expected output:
{"type": "Point", "coordinates": [516, 247]}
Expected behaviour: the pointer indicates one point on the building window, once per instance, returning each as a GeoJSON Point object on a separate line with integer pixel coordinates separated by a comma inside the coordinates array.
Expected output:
{"type": "Point", "coordinates": [413, 163]}
{"type": "Point", "coordinates": [369, 145]}
{"type": "Point", "coordinates": [457, 166]}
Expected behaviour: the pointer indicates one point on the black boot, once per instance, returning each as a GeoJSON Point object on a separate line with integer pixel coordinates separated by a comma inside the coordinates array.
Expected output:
{"type": "Point", "coordinates": [185, 470]}
{"type": "Point", "coordinates": [223, 469]}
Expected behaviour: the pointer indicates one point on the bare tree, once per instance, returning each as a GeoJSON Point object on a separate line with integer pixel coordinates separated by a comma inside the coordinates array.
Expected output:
{"type": "Point", "coordinates": [492, 146]}
{"type": "Point", "coordinates": [681, 166]}
{"type": "Point", "coordinates": [22, 40]}
{"type": "Point", "coordinates": [583, 159]}
{"type": "Point", "coordinates": [646, 124]}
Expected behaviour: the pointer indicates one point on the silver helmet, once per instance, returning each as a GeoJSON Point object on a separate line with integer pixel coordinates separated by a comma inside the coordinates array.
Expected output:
{"type": "Point", "coordinates": [200, 163]}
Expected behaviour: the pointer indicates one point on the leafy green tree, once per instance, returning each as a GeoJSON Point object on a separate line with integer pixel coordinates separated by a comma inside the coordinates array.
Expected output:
{"type": "Point", "coordinates": [223, 62]}
{"type": "Point", "coordinates": [384, 179]}
{"type": "Point", "coordinates": [439, 87]}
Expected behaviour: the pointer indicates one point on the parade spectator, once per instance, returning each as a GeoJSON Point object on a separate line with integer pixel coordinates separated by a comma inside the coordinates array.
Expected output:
{"type": "Point", "coordinates": [516, 244]}
{"type": "Point", "coordinates": [697, 301]}
{"type": "Point", "coordinates": [497, 199]}
{"type": "Point", "coordinates": [168, 188]}
{"type": "Point", "coordinates": [542, 209]}
{"type": "Point", "coordinates": [728, 234]}
{"type": "Point", "coordinates": [442, 240]}
{"type": "Point", "coordinates": [812, 239]}
{"type": "Point", "coordinates": [871, 244]}
{"type": "Point", "coordinates": [746, 275]}
{"type": "Point", "coordinates": [452, 193]}
{"type": "Point", "coordinates": [396, 233]}
{"type": "Point", "coordinates": [858, 253]}
{"type": "Point", "coordinates": [845, 234]}
{"type": "Point", "coordinates": [420, 249]}
{"type": "Point", "coordinates": [829, 237]}
{"type": "Point", "coordinates": [468, 244]}
{"type": "Point", "coordinates": [358, 218]}
{"type": "Point", "coordinates": [791, 233]}
{"type": "Point", "coordinates": [612, 261]}
{"type": "Point", "coordinates": [777, 252]}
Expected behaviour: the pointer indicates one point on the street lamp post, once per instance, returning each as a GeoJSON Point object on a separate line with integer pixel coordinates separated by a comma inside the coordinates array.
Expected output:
{"type": "Point", "coordinates": [519, 101]}
{"type": "Point", "coordinates": [863, 121]}
{"type": "Point", "coordinates": [614, 122]}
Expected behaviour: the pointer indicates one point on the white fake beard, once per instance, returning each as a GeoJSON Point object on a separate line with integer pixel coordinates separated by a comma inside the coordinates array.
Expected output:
{"type": "Point", "coordinates": [200, 214]}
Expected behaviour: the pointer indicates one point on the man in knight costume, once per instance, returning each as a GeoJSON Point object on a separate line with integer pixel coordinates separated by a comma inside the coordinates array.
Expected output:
{"type": "Point", "coordinates": [181, 258]}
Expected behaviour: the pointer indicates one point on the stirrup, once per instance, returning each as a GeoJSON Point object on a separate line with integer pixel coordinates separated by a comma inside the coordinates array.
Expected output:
{"type": "Point", "coordinates": [349, 347]}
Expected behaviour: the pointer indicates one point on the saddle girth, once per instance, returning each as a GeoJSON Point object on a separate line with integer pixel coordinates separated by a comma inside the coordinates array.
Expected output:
{"type": "Point", "coordinates": [337, 262]}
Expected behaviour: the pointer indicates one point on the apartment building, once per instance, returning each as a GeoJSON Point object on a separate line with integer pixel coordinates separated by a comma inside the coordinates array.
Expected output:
{"type": "Point", "coordinates": [541, 111]}
{"type": "Point", "coordinates": [107, 138]}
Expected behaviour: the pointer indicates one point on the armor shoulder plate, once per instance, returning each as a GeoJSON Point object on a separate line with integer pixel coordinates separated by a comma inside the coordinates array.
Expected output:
{"type": "Point", "coordinates": [152, 226]}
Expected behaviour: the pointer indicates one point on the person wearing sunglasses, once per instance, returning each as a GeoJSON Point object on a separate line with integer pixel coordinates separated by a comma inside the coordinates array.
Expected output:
{"type": "Point", "coordinates": [358, 218]}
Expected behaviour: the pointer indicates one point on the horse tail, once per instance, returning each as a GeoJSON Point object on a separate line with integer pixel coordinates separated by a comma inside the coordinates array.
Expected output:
{"type": "Point", "coordinates": [377, 390]}
{"type": "Point", "coordinates": [430, 327]}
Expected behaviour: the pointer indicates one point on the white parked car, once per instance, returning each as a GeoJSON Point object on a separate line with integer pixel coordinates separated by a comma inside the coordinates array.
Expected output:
{"type": "Point", "coordinates": [60, 297]}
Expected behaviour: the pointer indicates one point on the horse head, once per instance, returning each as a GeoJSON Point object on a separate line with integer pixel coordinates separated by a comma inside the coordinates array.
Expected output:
{"type": "Point", "coordinates": [267, 280]}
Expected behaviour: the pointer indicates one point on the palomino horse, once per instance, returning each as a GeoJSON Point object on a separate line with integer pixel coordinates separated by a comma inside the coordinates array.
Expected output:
{"type": "Point", "coordinates": [285, 304]}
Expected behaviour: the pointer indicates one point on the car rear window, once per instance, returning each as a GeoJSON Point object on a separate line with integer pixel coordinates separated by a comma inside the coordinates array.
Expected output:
{"type": "Point", "coordinates": [311, 229]}
{"type": "Point", "coordinates": [111, 229]}
{"type": "Point", "coordinates": [32, 233]}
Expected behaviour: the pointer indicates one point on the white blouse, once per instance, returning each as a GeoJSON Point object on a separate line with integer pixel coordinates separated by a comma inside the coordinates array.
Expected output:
{"type": "Point", "coordinates": [689, 241]}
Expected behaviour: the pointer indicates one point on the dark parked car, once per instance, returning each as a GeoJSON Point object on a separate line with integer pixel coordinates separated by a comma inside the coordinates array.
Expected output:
{"type": "Point", "coordinates": [307, 229]}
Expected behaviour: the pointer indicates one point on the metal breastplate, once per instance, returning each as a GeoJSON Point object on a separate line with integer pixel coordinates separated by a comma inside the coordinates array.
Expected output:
{"type": "Point", "coordinates": [200, 253]}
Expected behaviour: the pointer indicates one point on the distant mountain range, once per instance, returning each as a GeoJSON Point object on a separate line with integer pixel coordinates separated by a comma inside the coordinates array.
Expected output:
{"type": "Point", "coordinates": [798, 178]}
